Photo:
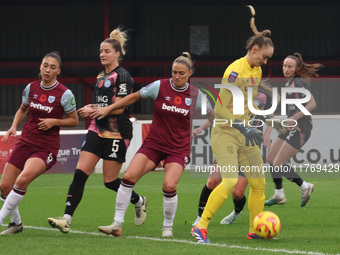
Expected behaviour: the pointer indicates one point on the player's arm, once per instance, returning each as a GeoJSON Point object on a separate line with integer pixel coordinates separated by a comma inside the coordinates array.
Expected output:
{"type": "Point", "coordinates": [71, 120]}
{"type": "Point", "coordinates": [118, 107]}
{"type": "Point", "coordinates": [310, 106]}
{"type": "Point", "coordinates": [150, 91]}
{"type": "Point", "coordinates": [18, 118]}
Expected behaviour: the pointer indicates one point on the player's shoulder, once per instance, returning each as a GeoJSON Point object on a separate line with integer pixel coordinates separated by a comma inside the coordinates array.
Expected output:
{"type": "Point", "coordinates": [61, 87]}
{"type": "Point", "coordinates": [299, 82]}
{"type": "Point", "coordinates": [122, 71]}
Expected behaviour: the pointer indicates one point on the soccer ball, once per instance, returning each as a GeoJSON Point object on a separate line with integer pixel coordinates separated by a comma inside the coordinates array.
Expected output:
{"type": "Point", "coordinates": [267, 224]}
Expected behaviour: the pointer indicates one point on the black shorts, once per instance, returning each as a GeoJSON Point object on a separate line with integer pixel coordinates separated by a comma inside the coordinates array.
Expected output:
{"type": "Point", "coordinates": [105, 148]}
{"type": "Point", "coordinates": [296, 138]}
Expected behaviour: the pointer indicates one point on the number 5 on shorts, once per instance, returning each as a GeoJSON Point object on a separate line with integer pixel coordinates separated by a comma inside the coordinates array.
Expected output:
{"type": "Point", "coordinates": [115, 145]}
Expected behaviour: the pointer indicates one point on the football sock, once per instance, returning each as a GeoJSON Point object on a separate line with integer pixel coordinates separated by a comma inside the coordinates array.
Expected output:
{"type": "Point", "coordinates": [277, 177]}
{"type": "Point", "coordinates": [304, 185]}
{"type": "Point", "coordinates": [215, 201]}
{"type": "Point", "coordinates": [14, 214]}
{"type": "Point", "coordinates": [205, 193]}
{"type": "Point", "coordinates": [280, 192]}
{"type": "Point", "coordinates": [75, 192]}
{"type": "Point", "coordinates": [170, 202]}
{"type": "Point", "coordinates": [255, 205]}
{"type": "Point", "coordinates": [68, 218]}
{"type": "Point", "coordinates": [292, 175]}
{"type": "Point", "coordinates": [123, 198]}
{"type": "Point", "coordinates": [238, 205]}
{"type": "Point", "coordinates": [12, 201]}
{"type": "Point", "coordinates": [114, 185]}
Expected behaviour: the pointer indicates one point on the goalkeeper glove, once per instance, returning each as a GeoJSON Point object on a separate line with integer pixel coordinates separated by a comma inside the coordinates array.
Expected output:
{"type": "Point", "coordinates": [276, 124]}
{"type": "Point", "coordinates": [250, 134]}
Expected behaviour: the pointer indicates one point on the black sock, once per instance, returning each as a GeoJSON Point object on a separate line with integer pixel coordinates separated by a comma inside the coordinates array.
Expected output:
{"type": "Point", "coordinates": [205, 193]}
{"type": "Point", "coordinates": [114, 185]}
{"type": "Point", "coordinates": [276, 174]}
{"type": "Point", "coordinates": [238, 205]}
{"type": "Point", "coordinates": [75, 192]}
{"type": "Point", "coordinates": [292, 175]}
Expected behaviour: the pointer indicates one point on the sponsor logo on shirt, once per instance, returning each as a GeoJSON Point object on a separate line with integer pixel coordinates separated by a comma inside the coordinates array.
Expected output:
{"type": "Point", "coordinates": [167, 98]}
{"type": "Point", "coordinates": [38, 106]}
{"type": "Point", "coordinates": [175, 109]}
{"type": "Point", "coordinates": [73, 101]}
{"type": "Point", "coordinates": [122, 89]}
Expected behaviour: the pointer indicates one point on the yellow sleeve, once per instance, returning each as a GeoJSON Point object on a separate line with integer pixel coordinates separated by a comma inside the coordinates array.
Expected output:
{"type": "Point", "coordinates": [222, 111]}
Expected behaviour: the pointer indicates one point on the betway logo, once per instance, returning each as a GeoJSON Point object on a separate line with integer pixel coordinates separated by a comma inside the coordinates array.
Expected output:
{"type": "Point", "coordinates": [48, 109]}
{"type": "Point", "coordinates": [175, 109]}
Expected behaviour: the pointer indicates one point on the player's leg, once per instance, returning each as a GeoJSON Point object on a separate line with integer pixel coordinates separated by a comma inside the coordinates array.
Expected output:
{"type": "Point", "coordinates": [239, 199]}
{"type": "Point", "coordinates": [34, 167]}
{"type": "Point", "coordinates": [86, 163]}
{"type": "Point", "coordinates": [212, 182]}
{"type": "Point", "coordinates": [225, 149]}
{"type": "Point", "coordinates": [113, 155]}
{"type": "Point", "coordinates": [8, 178]}
{"type": "Point", "coordinates": [289, 149]}
{"type": "Point", "coordinates": [276, 173]}
{"type": "Point", "coordinates": [139, 165]}
{"type": "Point", "coordinates": [251, 164]}
{"type": "Point", "coordinates": [172, 173]}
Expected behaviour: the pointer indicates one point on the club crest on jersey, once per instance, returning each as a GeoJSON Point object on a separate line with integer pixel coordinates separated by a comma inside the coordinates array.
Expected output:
{"type": "Point", "coordinates": [107, 84]}
{"type": "Point", "coordinates": [232, 77]}
{"type": "Point", "coordinates": [51, 99]}
{"type": "Point", "coordinates": [188, 101]}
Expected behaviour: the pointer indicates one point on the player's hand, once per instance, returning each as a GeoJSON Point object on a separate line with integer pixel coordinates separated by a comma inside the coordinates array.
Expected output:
{"type": "Point", "coordinates": [11, 131]}
{"type": "Point", "coordinates": [85, 111]}
{"type": "Point", "coordinates": [99, 112]}
{"type": "Point", "coordinates": [196, 132]}
{"type": "Point", "coordinates": [251, 134]}
{"type": "Point", "coordinates": [46, 124]}
{"type": "Point", "coordinates": [266, 140]}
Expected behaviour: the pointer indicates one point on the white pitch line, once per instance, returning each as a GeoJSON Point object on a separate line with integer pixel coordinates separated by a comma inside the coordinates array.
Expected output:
{"type": "Point", "coordinates": [188, 242]}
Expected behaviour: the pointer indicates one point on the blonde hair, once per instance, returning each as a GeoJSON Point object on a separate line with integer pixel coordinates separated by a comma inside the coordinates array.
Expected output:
{"type": "Point", "coordinates": [185, 59]}
{"type": "Point", "coordinates": [117, 39]}
{"type": "Point", "coordinates": [259, 38]}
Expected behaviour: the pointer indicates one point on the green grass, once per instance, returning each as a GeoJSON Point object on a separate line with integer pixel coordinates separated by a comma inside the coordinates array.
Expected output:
{"type": "Point", "coordinates": [308, 230]}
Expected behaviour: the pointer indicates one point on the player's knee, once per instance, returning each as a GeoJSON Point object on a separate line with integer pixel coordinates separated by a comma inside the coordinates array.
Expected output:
{"type": "Point", "coordinates": [114, 185]}
{"type": "Point", "coordinates": [169, 187]}
{"type": "Point", "coordinates": [258, 184]}
{"type": "Point", "coordinates": [22, 182]}
{"type": "Point", "coordinates": [212, 183]}
{"type": "Point", "coordinates": [5, 188]}
{"type": "Point", "coordinates": [79, 177]}
{"type": "Point", "coordinates": [229, 183]}
{"type": "Point", "coordinates": [237, 194]}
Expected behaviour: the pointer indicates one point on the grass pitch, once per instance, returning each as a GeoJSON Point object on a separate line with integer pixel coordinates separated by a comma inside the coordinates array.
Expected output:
{"type": "Point", "coordinates": [313, 229]}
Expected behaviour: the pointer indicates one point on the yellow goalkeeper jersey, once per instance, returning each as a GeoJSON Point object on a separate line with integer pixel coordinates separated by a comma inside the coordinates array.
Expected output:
{"type": "Point", "coordinates": [241, 75]}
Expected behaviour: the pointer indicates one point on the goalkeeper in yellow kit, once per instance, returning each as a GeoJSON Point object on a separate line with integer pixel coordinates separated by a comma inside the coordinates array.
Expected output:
{"type": "Point", "coordinates": [233, 142]}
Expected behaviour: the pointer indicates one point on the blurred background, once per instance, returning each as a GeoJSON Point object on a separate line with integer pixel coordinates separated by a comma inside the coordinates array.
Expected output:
{"type": "Point", "coordinates": [213, 31]}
